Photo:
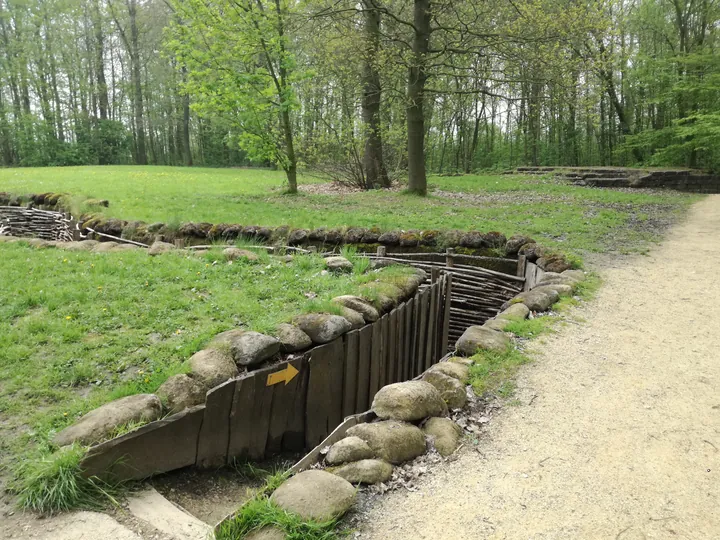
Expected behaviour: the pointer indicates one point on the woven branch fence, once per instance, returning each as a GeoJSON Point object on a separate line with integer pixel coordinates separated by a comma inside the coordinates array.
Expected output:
{"type": "Point", "coordinates": [32, 222]}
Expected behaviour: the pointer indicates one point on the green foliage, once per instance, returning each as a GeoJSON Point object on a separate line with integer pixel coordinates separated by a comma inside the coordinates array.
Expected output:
{"type": "Point", "coordinates": [54, 483]}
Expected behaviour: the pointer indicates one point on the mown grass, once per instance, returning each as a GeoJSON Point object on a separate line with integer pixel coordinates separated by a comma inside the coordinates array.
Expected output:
{"type": "Point", "coordinates": [79, 329]}
{"type": "Point", "coordinates": [570, 217]}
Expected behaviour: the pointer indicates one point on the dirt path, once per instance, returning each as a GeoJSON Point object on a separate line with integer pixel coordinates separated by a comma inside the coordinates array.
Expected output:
{"type": "Point", "coordinates": [618, 434]}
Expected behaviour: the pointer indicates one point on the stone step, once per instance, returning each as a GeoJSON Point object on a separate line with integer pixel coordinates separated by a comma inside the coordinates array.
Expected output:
{"type": "Point", "coordinates": [151, 507]}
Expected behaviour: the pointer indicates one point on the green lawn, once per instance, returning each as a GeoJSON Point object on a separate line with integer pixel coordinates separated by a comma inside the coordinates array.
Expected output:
{"type": "Point", "coordinates": [570, 217]}
{"type": "Point", "coordinates": [79, 329]}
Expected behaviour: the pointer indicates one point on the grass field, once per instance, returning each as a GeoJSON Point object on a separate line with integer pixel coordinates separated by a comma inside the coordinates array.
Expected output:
{"type": "Point", "coordinates": [569, 217]}
{"type": "Point", "coordinates": [79, 329]}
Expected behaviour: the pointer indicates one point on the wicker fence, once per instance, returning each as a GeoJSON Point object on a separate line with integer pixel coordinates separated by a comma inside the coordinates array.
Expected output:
{"type": "Point", "coordinates": [32, 222]}
{"type": "Point", "coordinates": [478, 292]}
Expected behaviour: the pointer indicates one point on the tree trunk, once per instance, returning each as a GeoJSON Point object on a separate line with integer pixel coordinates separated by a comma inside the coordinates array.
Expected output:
{"type": "Point", "coordinates": [102, 90]}
{"type": "Point", "coordinates": [373, 162]}
{"type": "Point", "coordinates": [417, 77]}
{"type": "Point", "coordinates": [141, 155]}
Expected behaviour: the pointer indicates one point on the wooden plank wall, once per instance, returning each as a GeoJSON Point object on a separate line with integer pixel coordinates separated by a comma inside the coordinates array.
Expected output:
{"type": "Point", "coordinates": [256, 416]}
{"type": "Point", "coordinates": [335, 380]}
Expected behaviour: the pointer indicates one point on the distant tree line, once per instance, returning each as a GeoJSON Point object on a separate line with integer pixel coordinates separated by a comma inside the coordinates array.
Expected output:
{"type": "Point", "coordinates": [360, 90]}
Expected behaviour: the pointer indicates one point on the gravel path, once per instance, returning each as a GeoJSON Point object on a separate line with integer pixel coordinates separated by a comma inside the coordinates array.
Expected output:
{"type": "Point", "coordinates": [618, 433]}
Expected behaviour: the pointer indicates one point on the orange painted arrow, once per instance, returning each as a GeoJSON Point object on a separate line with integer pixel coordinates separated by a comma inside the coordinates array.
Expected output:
{"type": "Point", "coordinates": [287, 375]}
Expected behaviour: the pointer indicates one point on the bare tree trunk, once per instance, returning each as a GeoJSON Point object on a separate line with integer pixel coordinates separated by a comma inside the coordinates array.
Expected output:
{"type": "Point", "coordinates": [373, 162]}
{"type": "Point", "coordinates": [417, 77]}
{"type": "Point", "coordinates": [102, 89]}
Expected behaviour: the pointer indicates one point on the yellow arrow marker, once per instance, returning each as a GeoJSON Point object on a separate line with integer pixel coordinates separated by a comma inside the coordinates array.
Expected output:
{"type": "Point", "coordinates": [287, 375]}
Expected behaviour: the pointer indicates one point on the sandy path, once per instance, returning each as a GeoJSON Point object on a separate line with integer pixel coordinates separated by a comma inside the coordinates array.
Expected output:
{"type": "Point", "coordinates": [619, 433]}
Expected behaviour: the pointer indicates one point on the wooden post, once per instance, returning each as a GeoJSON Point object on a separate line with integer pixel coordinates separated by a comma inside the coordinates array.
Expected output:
{"type": "Point", "coordinates": [449, 253]}
{"type": "Point", "coordinates": [444, 344]}
{"type": "Point", "coordinates": [381, 251]}
{"type": "Point", "coordinates": [522, 263]}
{"type": "Point", "coordinates": [434, 275]}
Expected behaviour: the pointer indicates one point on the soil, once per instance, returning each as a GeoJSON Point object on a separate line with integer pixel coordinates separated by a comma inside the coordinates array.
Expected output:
{"type": "Point", "coordinates": [617, 431]}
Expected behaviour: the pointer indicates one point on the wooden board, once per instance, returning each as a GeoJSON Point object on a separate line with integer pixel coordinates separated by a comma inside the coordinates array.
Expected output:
{"type": "Point", "coordinates": [375, 358]}
{"type": "Point", "coordinates": [283, 401]}
{"type": "Point", "coordinates": [241, 420]}
{"type": "Point", "coordinates": [350, 378]}
{"type": "Point", "coordinates": [362, 400]}
{"type": "Point", "coordinates": [294, 436]}
{"type": "Point", "coordinates": [324, 401]}
{"type": "Point", "coordinates": [431, 326]}
{"type": "Point", "coordinates": [414, 338]}
{"type": "Point", "coordinates": [446, 315]}
{"type": "Point", "coordinates": [384, 350]}
{"type": "Point", "coordinates": [215, 429]}
{"type": "Point", "coordinates": [421, 338]}
{"type": "Point", "coordinates": [261, 410]}
{"type": "Point", "coordinates": [407, 345]}
{"type": "Point", "coordinates": [396, 334]}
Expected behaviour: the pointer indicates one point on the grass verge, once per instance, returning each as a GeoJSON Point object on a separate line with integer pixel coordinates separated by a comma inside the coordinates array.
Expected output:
{"type": "Point", "coordinates": [493, 373]}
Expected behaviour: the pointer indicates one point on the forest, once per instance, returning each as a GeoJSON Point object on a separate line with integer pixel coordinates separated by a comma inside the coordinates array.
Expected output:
{"type": "Point", "coordinates": [364, 91]}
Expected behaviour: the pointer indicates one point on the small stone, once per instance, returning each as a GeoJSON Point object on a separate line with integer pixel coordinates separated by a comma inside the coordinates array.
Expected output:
{"type": "Point", "coordinates": [560, 288]}
{"type": "Point", "coordinates": [233, 254]}
{"type": "Point", "coordinates": [513, 245]}
{"type": "Point", "coordinates": [408, 401]}
{"type": "Point", "coordinates": [538, 299]}
{"type": "Point", "coordinates": [498, 324]}
{"type": "Point", "coordinates": [478, 338]}
{"type": "Point", "coordinates": [101, 422]}
{"type": "Point", "coordinates": [451, 390]}
{"type": "Point", "coordinates": [315, 494]}
{"type": "Point", "coordinates": [515, 312]}
{"type": "Point", "coordinates": [369, 313]}
{"type": "Point", "coordinates": [248, 348]}
{"type": "Point", "coordinates": [322, 327]}
{"type": "Point", "coordinates": [366, 471]}
{"type": "Point", "coordinates": [338, 264]}
{"type": "Point", "coordinates": [292, 339]}
{"type": "Point", "coordinates": [347, 450]}
{"type": "Point", "coordinates": [578, 275]}
{"type": "Point", "coordinates": [159, 247]}
{"type": "Point", "coordinates": [213, 367]}
{"type": "Point", "coordinates": [181, 392]}
{"type": "Point", "coordinates": [353, 317]}
{"type": "Point", "coordinates": [445, 434]}
{"type": "Point", "coordinates": [390, 440]}
{"type": "Point", "coordinates": [553, 263]}
{"type": "Point", "coordinates": [454, 370]}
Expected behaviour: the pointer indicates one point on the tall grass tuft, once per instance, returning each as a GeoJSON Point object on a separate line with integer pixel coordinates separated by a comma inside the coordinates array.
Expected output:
{"type": "Point", "coordinates": [56, 484]}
